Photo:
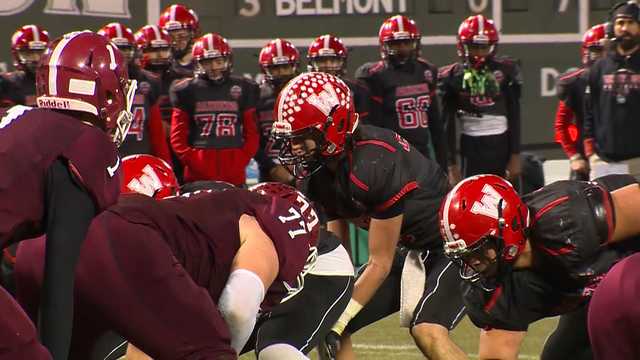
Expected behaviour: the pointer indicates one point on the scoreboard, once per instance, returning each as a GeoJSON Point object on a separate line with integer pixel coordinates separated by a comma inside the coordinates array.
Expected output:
{"type": "Point", "coordinates": [544, 35]}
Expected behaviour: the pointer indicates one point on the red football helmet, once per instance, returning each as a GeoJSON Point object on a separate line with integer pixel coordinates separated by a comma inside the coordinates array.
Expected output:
{"type": "Point", "coordinates": [151, 38]}
{"type": "Point", "coordinates": [213, 46]}
{"type": "Point", "coordinates": [28, 44]}
{"type": "Point", "coordinates": [394, 31]}
{"type": "Point", "coordinates": [327, 47]}
{"type": "Point", "coordinates": [477, 32]}
{"type": "Point", "coordinates": [484, 225]}
{"type": "Point", "coordinates": [593, 42]}
{"type": "Point", "coordinates": [122, 36]}
{"type": "Point", "coordinates": [316, 106]}
{"type": "Point", "coordinates": [83, 71]}
{"type": "Point", "coordinates": [176, 18]}
{"type": "Point", "coordinates": [148, 175]}
{"type": "Point", "coordinates": [298, 202]}
{"type": "Point", "coordinates": [276, 54]}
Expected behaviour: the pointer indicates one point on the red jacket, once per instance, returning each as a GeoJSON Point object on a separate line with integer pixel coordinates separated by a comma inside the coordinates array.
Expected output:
{"type": "Point", "coordinates": [566, 130]}
{"type": "Point", "coordinates": [213, 164]}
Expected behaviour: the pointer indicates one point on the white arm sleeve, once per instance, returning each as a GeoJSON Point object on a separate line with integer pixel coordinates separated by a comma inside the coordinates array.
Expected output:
{"type": "Point", "coordinates": [239, 304]}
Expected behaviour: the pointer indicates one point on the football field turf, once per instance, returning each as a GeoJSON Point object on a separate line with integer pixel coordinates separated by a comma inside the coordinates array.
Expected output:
{"type": "Point", "coordinates": [385, 340]}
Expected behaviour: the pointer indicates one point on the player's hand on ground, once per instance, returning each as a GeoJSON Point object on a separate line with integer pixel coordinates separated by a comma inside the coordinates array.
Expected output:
{"type": "Point", "coordinates": [330, 347]}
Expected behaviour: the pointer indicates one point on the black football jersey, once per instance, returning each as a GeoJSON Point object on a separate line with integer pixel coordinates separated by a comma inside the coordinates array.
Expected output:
{"type": "Point", "coordinates": [382, 177]}
{"type": "Point", "coordinates": [216, 109]}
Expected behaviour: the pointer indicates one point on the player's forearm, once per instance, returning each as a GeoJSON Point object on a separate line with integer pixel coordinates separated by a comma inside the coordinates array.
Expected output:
{"type": "Point", "coordinates": [626, 203]}
{"type": "Point", "coordinates": [369, 281]}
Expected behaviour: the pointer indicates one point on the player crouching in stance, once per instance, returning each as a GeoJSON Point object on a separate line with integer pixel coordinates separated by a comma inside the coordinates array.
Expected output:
{"type": "Point", "coordinates": [174, 278]}
{"type": "Point", "coordinates": [375, 179]}
{"type": "Point", "coordinates": [536, 257]}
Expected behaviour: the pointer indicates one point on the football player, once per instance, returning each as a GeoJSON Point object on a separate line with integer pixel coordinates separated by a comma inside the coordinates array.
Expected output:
{"type": "Point", "coordinates": [183, 26]}
{"type": "Point", "coordinates": [146, 135]}
{"type": "Point", "coordinates": [375, 179]}
{"type": "Point", "coordinates": [28, 44]}
{"type": "Point", "coordinates": [279, 61]}
{"type": "Point", "coordinates": [57, 184]}
{"type": "Point", "coordinates": [539, 256]}
{"type": "Point", "coordinates": [403, 89]}
{"type": "Point", "coordinates": [213, 127]}
{"type": "Point", "coordinates": [328, 54]}
{"type": "Point", "coordinates": [482, 92]}
{"type": "Point", "coordinates": [201, 288]}
{"type": "Point", "coordinates": [570, 112]}
{"type": "Point", "coordinates": [614, 314]}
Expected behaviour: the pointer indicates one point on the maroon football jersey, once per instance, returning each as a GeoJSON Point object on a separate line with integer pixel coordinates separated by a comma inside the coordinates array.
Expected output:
{"type": "Point", "coordinates": [202, 230]}
{"type": "Point", "coordinates": [30, 141]}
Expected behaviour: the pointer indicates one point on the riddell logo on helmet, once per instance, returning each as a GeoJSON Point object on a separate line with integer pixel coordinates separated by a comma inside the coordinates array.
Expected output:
{"type": "Point", "coordinates": [54, 103]}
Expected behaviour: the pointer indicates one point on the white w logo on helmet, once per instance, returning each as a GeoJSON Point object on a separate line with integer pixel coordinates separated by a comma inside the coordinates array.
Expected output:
{"type": "Point", "coordinates": [147, 183]}
{"type": "Point", "coordinates": [326, 100]}
{"type": "Point", "coordinates": [488, 205]}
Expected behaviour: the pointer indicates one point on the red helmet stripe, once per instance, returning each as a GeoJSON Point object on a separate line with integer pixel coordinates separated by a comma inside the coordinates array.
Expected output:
{"type": "Point", "coordinates": [55, 59]}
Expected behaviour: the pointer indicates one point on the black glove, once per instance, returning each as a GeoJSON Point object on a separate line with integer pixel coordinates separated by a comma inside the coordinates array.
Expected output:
{"type": "Point", "coordinates": [330, 346]}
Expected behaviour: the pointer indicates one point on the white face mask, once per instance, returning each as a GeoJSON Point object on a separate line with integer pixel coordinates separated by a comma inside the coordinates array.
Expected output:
{"type": "Point", "coordinates": [123, 122]}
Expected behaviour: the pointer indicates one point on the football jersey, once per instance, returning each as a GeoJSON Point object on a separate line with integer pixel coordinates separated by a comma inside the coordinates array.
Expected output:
{"type": "Point", "coordinates": [404, 100]}
{"type": "Point", "coordinates": [138, 139]}
{"type": "Point", "coordinates": [216, 110]}
{"type": "Point", "coordinates": [203, 232]}
{"type": "Point", "coordinates": [17, 88]}
{"type": "Point", "coordinates": [30, 141]}
{"type": "Point", "coordinates": [384, 176]}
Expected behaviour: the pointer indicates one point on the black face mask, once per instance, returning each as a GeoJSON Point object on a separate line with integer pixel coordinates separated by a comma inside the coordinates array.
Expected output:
{"type": "Point", "coordinates": [158, 68]}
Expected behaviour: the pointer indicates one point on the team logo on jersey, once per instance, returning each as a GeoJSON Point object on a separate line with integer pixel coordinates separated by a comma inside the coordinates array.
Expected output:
{"type": "Point", "coordinates": [235, 92]}
{"type": "Point", "coordinates": [498, 75]}
{"type": "Point", "coordinates": [482, 101]}
{"type": "Point", "coordinates": [621, 84]}
{"type": "Point", "coordinates": [428, 76]}
{"type": "Point", "coordinates": [144, 87]}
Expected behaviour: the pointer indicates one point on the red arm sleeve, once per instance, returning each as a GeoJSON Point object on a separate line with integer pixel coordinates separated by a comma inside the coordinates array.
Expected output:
{"type": "Point", "coordinates": [251, 136]}
{"type": "Point", "coordinates": [564, 117]}
{"type": "Point", "coordinates": [159, 146]}
{"type": "Point", "coordinates": [180, 134]}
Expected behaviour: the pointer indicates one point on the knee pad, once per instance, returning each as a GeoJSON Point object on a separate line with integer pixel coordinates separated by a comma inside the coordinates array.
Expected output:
{"type": "Point", "coordinates": [281, 352]}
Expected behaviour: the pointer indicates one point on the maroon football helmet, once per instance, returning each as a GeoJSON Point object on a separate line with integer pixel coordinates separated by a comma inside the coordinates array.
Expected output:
{"type": "Point", "coordinates": [83, 71]}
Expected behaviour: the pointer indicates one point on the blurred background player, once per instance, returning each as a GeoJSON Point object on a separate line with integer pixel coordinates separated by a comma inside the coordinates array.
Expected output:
{"type": "Point", "coordinates": [570, 112]}
{"type": "Point", "coordinates": [154, 45]}
{"type": "Point", "coordinates": [403, 89]}
{"type": "Point", "coordinates": [613, 99]}
{"type": "Point", "coordinates": [482, 91]}
{"type": "Point", "coordinates": [146, 134]}
{"type": "Point", "coordinates": [213, 127]}
{"type": "Point", "coordinates": [183, 26]}
{"type": "Point", "coordinates": [328, 54]}
{"type": "Point", "coordinates": [28, 44]}
{"type": "Point", "coordinates": [59, 183]}
{"type": "Point", "coordinates": [279, 61]}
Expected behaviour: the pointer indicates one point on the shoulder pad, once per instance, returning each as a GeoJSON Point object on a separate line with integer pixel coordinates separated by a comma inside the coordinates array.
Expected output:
{"type": "Point", "coordinates": [181, 84]}
{"type": "Point", "coordinates": [368, 69]}
{"type": "Point", "coordinates": [566, 81]}
{"type": "Point", "coordinates": [446, 70]}
{"type": "Point", "coordinates": [424, 61]}
{"type": "Point", "coordinates": [507, 60]}
{"type": "Point", "coordinates": [570, 76]}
